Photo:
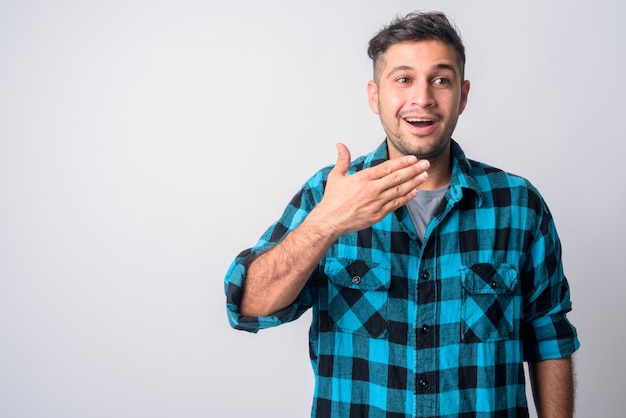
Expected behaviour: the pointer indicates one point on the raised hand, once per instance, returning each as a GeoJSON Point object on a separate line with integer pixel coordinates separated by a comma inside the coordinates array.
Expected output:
{"type": "Point", "coordinates": [353, 202]}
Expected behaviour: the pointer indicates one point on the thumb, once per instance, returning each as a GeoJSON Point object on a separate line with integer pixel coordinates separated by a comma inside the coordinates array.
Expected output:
{"type": "Point", "coordinates": [343, 159]}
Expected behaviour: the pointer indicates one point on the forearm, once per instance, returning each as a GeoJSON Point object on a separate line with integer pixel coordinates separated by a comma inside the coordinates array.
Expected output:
{"type": "Point", "coordinates": [350, 203]}
{"type": "Point", "coordinates": [274, 280]}
{"type": "Point", "coordinates": [553, 387]}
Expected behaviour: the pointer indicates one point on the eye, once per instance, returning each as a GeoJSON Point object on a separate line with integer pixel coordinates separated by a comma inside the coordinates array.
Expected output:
{"type": "Point", "coordinates": [403, 80]}
{"type": "Point", "coordinates": [441, 82]}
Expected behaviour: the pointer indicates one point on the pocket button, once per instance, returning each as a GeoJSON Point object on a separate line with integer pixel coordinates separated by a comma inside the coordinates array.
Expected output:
{"type": "Point", "coordinates": [356, 280]}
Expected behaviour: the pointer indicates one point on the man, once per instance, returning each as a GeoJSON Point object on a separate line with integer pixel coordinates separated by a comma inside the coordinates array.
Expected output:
{"type": "Point", "coordinates": [431, 277]}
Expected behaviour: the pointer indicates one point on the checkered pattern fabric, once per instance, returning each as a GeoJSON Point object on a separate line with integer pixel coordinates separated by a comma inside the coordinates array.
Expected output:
{"type": "Point", "coordinates": [439, 328]}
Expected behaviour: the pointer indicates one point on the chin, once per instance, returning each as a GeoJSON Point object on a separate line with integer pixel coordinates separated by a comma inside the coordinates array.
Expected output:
{"type": "Point", "coordinates": [421, 155]}
{"type": "Point", "coordinates": [429, 152]}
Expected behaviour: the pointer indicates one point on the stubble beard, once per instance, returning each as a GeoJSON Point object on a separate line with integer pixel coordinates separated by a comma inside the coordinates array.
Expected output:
{"type": "Point", "coordinates": [427, 147]}
{"type": "Point", "coordinates": [422, 153]}
{"type": "Point", "coordinates": [428, 151]}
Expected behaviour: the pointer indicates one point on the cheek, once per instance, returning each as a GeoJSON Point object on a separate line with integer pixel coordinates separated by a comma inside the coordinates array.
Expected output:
{"type": "Point", "coordinates": [450, 103]}
{"type": "Point", "coordinates": [391, 103]}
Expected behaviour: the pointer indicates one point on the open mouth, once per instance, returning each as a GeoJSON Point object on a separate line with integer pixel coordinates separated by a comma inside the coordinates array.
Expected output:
{"type": "Point", "coordinates": [420, 123]}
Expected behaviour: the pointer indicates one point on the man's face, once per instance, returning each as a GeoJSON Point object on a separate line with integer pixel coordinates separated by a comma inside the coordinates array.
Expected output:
{"type": "Point", "coordinates": [418, 94]}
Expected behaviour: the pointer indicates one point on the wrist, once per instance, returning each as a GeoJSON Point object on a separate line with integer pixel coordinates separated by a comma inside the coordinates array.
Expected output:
{"type": "Point", "coordinates": [322, 227]}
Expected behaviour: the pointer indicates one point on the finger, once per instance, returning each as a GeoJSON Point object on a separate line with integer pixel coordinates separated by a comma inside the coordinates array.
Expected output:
{"type": "Point", "coordinates": [343, 159]}
{"type": "Point", "coordinates": [393, 165]}
{"type": "Point", "coordinates": [411, 176]}
{"type": "Point", "coordinates": [402, 200]}
{"type": "Point", "coordinates": [404, 181]}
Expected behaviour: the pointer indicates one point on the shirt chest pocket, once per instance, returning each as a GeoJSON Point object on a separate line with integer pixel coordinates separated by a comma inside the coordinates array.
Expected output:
{"type": "Point", "coordinates": [491, 306]}
{"type": "Point", "coordinates": [357, 296]}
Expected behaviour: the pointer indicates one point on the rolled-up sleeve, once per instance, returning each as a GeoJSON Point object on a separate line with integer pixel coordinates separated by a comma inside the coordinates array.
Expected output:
{"type": "Point", "coordinates": [234, 282]}
{"type": "Point", "coordinates": [233, 287]}
{"type": "Point", "coordinates": [548, 334]}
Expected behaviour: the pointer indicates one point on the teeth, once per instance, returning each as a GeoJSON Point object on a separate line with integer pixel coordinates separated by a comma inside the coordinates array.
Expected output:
{"type": "Point", "coordinates": [417, 120]}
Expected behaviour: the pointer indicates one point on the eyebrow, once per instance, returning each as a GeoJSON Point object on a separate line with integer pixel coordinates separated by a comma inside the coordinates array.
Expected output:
{"type": "Point", "coordinates": [441, 66]}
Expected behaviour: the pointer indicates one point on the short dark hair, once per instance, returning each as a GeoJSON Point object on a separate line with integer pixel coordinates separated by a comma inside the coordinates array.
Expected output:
{"type": "Point", "coordinates": [417, 26]}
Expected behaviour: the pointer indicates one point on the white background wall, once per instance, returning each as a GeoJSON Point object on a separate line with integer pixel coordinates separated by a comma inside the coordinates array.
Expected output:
{"type": "Point", "coordinates": [143, 144]}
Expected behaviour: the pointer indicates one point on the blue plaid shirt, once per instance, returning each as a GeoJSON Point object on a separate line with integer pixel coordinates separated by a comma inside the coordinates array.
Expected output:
{"type": "Point", "coordinates": [438, 328]}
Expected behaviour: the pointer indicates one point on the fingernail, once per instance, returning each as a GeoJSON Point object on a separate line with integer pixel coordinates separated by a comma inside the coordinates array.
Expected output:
{"type": "Point", "coordinates": [424, 164]}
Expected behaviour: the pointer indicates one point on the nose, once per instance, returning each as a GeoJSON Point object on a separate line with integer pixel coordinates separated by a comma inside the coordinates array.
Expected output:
{"type": "Point", "coordinates": [422, 95]}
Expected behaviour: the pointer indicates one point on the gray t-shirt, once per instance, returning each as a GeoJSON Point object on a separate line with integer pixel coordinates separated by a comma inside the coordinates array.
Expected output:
{"type": "Point", "coordinates": [423, 206]}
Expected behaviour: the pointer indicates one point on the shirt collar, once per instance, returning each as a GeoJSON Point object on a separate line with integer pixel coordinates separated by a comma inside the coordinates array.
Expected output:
{"type": "Point", "coordinates": [462, 174]}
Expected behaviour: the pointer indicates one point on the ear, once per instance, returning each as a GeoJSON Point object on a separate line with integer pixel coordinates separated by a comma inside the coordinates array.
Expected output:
{"type": "Point", "coordinates": [465, 88]}
{"type": "Point", "coordinates": [372, 96]}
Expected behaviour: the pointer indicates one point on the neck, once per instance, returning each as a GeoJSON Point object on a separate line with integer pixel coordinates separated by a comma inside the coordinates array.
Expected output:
{"type": "Point", "coordinates": [439, 172]}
